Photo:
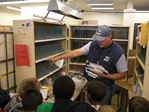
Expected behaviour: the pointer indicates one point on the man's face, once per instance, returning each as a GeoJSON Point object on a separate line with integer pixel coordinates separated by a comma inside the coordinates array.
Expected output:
{"type": "Point", "coordinates": [104, 43]}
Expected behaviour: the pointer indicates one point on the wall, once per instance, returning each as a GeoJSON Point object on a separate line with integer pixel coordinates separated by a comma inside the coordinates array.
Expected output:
{"type": "Point", "coordinates": [141, 17]}
{"type": "Point", "coordinates": [104, 18]}
{"type": "Point", "coordinates": [7, 16]}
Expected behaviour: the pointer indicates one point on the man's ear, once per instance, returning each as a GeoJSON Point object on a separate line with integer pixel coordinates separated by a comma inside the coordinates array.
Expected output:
{"type": "Point", "coordinates": [110, 36]}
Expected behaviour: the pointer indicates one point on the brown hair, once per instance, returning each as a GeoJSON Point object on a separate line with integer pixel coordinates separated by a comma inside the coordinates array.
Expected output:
{"type": "Point", "coordinates": [29, 83]}
{"type": "Point", "coordinates": [138, 104]}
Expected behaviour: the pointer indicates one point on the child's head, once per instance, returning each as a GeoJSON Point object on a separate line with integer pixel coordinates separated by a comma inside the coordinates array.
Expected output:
{"type": "Point", "coordinates": [4, 98]}
{"type": "Point", "coordinates": [138, 104]}
{"type": "Point", "coordinates": [31, 99]}
{"type": "Point", "coordinates": [29, 83]}
{"type": "Point", "coordinates": [63, 87]}
{"type": "Point", "coordinates": [96, 91]}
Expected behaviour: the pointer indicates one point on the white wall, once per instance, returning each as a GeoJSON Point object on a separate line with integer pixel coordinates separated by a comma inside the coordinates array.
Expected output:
{"type": "Point", "coordinates": [141, 17]}
{"type": "Point", "coordinates": [7, 16]}
{"type": "Point", "coordinates": [104, 18]}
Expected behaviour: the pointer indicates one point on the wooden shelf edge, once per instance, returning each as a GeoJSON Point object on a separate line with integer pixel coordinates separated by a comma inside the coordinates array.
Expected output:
{"type": "Point", "coordinates": [46, 58]}
{"type": "Point", "coordinates": [42, 78]}
{"type": "Point", "coordinates": [140, 62]}
{"type": "Point", "coordinates": [49, 40]}
{"type": "Point", "coordinates": [138, 80]}
{"type": "Point", "coordinates": [81, 39]}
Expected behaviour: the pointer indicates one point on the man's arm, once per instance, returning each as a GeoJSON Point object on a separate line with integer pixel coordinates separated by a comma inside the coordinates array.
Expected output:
{"type": "Point", "coordinates": [73, 53]}
{"type": "Point", "coordinates": [69, 54]}
{"type": "Point", "coordinates": [116, 76]}
{"type": "Point", "coordinates": [121, 67]}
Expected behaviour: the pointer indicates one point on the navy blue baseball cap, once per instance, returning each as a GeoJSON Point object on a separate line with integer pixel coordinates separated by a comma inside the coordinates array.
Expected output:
{"type": "Point", "coordinates": [102, 32]}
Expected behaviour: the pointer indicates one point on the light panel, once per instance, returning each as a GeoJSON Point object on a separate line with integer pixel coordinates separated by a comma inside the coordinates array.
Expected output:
{"type": "Point", "coordinates": [98, 3]}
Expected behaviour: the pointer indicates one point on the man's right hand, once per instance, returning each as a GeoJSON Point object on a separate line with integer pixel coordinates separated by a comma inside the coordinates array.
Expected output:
{"type": "Point", "coordinates": [52, 60]}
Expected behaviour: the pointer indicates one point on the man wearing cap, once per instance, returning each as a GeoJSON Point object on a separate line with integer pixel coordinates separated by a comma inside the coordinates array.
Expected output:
{"type": "Point", "coordinates": [103, 51]}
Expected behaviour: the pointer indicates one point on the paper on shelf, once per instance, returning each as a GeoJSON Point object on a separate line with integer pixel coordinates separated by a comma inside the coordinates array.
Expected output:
{"type": "Point", "coordinates": [59, 63]}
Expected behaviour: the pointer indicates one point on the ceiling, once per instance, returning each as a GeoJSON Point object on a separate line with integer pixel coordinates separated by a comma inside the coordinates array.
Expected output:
{"type": "Point", "coordinates": [81, 5]}
{"type": "Point", "coordinates": [119, 5]}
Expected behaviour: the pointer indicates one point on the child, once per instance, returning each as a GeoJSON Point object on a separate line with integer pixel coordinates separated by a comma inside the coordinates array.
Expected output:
{"type": "Point", "coordinates": [96, 92]}
{"type": "Point", "coordinates": [63, 90]}
{"type": "Point", "coordinates": [4, 99]}
{"type": "Point", "coordinates": [16, 101]}
{"type": "Point", "coordinates": [138, 104]}
{"type": "Point", "coordinates": [31, 99]}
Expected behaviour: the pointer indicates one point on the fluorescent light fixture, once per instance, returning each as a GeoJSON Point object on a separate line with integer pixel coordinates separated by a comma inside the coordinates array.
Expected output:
{"type": "Point", "coordinates": [102, 8]}
{"type": "Point", "coordinates": [96, 3]}
{"type": "Point", "coordinates": [23, 2]}
{"type": "Point", "coordinates": [13, 8]}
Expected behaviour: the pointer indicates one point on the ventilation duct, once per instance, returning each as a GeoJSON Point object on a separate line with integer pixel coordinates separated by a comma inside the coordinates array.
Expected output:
{"type": "Point", "coordinates": [62, 9]}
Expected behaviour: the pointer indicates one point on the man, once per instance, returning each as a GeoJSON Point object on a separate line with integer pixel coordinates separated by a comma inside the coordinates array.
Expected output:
{"type": "Point", "coordinates": [103, 51]}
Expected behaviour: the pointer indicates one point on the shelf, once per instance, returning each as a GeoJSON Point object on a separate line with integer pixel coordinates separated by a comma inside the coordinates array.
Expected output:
{"type": "Point", "coordinates": [80, 59]}
{"type": "Point", "coordinates": [8, 32]}
{"type": "Point", "coordinates": [140, 73]}
{"type": "Point", "coordinates": [142, 57]}
{"type": "Point", "coordinates": [138, 80]}
{"type": "Point", "coordinates": [7, 60]}
{"type": "Point", "coordinates": [121, 40]}
{"type": "Point", "coordinates": [120, 32]}
{"type": "Point", "coordinates": [7, 64]}
{"type": "Point", "coordinates": [140, 62]}
{"type": "Point", "coordinates": [90, 39]}
{"type": "Point", "coordinates": [46, 58]}
{"type": "Point", "coordinates": [83, 31]}
{"type": "Point", "coordinates": [141, 66]}
{"type": "Point", "coordinates": [48, 31]}
{"type": "Point", "coordinates": [49, 74]}
{"type": "Point", "coordinates": [44, 68]}
{"type": "Point", "coordinates": [47, 50]}
{"type": "Point", "coordinates": [49, 40]}
{"type": "Point", "coordinates": [44, 40]}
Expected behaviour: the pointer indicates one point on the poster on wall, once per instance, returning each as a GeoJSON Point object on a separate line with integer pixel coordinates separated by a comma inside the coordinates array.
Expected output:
{"type": "Point", "coordinates": [21, 55]}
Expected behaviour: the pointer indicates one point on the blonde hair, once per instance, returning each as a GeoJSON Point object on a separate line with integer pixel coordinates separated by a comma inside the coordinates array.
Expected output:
{"type": "Point", "coordinates": [29, 83]}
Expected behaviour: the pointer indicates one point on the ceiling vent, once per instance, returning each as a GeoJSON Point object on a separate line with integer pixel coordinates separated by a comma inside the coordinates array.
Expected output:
{"type": "Point", "coordinates": [62, 9]}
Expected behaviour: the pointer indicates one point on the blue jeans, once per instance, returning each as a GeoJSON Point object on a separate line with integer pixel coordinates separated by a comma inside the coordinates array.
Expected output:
{"type": "Point", "coordinates": [108, 97]}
